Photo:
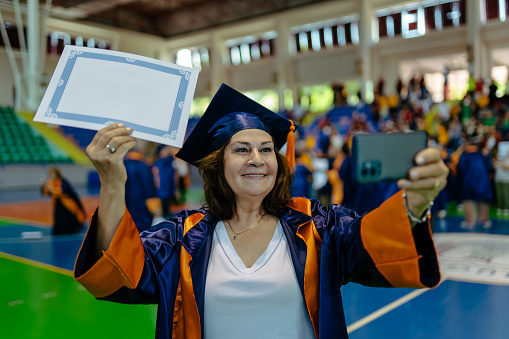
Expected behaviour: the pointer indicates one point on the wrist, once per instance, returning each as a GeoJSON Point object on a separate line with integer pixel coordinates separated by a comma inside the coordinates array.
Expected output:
{"type": "Point", "coordinates": [112, 189]}
{"type": "Point", "coordinates": [417, 208]}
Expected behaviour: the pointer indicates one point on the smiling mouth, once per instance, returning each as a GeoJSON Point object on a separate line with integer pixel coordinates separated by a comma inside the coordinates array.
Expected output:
{"type": "Point", "coordinates": [254, 175]}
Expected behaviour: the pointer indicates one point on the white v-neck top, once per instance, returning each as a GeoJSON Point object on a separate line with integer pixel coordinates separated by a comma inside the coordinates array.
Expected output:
{"type": "Point", "coordinates": [263, 301]}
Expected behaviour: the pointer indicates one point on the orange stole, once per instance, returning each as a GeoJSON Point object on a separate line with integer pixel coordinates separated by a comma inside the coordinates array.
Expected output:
{"type": "Point", "coordinates": [71, 205]}
{"type": "Point", "coordinates": [186, 318]}
{"type": "Point", "coordinates": [308, 233]}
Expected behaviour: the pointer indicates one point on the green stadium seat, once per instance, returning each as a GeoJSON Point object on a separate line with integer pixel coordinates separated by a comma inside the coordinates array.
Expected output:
{"type": "Point", "coordinates": [15, 157]}
{"type": "Point", "coordinates": [5, 158]}
{"type": "Point", "coordinates": [36, 157]}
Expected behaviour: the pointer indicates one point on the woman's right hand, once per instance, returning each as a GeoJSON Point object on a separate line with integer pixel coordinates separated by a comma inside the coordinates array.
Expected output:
{"type": "Point", "coordinates": [112, 173]}
{"type": "Point", "coordinates": [110, 165]}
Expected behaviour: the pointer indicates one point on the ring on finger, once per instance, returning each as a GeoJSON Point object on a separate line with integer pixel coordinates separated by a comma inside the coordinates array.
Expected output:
{"type": "Point", "coordinates": [437, 183]}
{"type": "Point", "coordinates": [112, 149]}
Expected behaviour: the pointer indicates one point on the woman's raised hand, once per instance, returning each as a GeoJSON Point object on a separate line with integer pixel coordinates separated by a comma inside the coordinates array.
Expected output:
{"type": "Point", "coordinates": [107, 151]}
{"type": "Point", "coordinates": [426, 181]}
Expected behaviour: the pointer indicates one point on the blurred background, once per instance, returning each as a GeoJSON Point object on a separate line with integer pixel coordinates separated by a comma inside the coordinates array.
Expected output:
{"type": "Point", "coordinates": [336, 68]}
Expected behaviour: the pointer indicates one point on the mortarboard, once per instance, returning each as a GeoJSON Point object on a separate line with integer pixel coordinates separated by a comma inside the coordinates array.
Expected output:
{"type": "Point", "coordinates": [228, 113]}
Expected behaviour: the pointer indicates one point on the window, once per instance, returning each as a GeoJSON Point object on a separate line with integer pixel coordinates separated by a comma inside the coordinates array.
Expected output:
{"type": "Point", "coordinates": [414, 20]}
{"type": "Point", "coordinates": [58, 40]}
{"type": "Point", "coordinates": [251, 48]}
{"type": "Point", "coordinates": [326, 34]}
{"type": "Point", "coordinates": [196, 57]}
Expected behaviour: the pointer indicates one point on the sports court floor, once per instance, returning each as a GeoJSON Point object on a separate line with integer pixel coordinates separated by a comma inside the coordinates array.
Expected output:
{"type": "Point", "coordinates": [40, 299]}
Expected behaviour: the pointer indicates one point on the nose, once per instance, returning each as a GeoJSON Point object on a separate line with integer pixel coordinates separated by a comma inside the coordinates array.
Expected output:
{"type": "Point", "coordinates": [256, 159]}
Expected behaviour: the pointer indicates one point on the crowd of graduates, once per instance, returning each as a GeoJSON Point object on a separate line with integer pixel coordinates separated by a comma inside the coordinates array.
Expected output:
{"type": "Point", "coordinates": [471, 133]}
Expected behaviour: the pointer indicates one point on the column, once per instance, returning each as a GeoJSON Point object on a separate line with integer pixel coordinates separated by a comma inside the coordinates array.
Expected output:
{"type": "Point", "coordinates": [217, 56]}
{"type": "Point", "coordinates": [474, 43]}
{"type": "Point", "coordinates": [282, 54]}
{"type": "Point", "coordinates": [32, 73]}
{"type": "Point", "coordinates": [365, 42]}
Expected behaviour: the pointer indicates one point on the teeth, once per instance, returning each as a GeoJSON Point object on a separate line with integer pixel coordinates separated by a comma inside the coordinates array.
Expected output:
{"type": "Point", "coordinates": [254, 175]}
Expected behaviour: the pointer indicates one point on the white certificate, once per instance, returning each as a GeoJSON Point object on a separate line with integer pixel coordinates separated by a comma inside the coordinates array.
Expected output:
{"type": "Point", "coordinates": [91, 88]}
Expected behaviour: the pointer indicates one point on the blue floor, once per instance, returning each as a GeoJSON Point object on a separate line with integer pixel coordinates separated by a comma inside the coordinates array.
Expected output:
{"type": "Point", "coordinates": [453, 310]}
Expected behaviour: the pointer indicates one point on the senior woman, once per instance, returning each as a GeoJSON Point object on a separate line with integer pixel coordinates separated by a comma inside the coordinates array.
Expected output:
{"type": "Point", "coordinates": [254, 263]}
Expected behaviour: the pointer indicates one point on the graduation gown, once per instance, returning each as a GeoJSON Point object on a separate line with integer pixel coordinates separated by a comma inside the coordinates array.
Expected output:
{"type": "Point", "coordinates": [329, 246]}
{"type": "Point", "coordinates": [139, 188]}
{"type": "Point", "coordinates": [68, 212]}
{"type": "Point", "coordinates": [474, 170]}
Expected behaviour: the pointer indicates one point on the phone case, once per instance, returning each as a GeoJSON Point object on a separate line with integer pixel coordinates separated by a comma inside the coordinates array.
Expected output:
{"type": "Point", "coordinates": [385, 156]}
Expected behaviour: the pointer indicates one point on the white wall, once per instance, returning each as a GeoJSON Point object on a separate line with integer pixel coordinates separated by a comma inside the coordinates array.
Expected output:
{"type": "Point", "coordinates": [18, 177]}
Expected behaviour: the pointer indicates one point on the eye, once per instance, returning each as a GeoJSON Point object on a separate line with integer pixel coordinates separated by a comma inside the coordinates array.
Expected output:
{"type": "Point", "coordinates": [266, 149]}
{"type": "Point", "coordinates": [240, 150]}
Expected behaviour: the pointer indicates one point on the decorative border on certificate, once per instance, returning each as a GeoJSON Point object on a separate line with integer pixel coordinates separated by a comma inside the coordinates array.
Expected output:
{"type": "Point", "coordinates": [167, 126]}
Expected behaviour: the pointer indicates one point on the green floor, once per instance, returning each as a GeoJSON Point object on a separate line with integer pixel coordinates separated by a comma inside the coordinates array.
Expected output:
{"type": "Point", "coordinates": [37, 302]}
{"type": "Point", "coordinates": [455, 209]}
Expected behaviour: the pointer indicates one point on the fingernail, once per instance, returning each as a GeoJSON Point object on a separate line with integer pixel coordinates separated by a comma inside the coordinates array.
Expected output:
{"type": "Point", "coordinates": [129, 129]}
{"type": "Point", "coordinates": [404, 184]}
{"type": "Point", "coordinates": [420, 160]}
{"type": "Point", "coordinates": [414, 174]}
{"type": "Point", "coordinates": [120, 125]}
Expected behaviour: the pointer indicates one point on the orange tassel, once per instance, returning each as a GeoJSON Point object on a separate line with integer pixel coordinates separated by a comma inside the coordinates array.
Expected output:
{"type": "Point", "coordinates": [290, 146]}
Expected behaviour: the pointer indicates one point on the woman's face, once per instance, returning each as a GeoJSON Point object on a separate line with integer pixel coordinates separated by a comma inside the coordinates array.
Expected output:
{"type": "Point", "coordinates": [250, 164]}
{"type": "Point", "coordinates": [52, 175]}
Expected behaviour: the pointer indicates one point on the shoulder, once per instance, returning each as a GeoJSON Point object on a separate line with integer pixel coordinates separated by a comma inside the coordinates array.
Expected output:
{"type": "Point", "coordinates": [174, 228]}
{"type": "Point", "coordinates": [185, 215]}
{"type": "Point", "coordinates": [314, 208]}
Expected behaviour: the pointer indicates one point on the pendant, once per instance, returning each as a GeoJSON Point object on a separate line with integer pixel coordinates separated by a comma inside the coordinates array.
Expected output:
{"type": "Point", "coordinates": [234, 237]}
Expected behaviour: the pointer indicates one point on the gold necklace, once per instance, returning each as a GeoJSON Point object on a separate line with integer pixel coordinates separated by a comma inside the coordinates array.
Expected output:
{"type": "Point", "coordinates": [247, 229]}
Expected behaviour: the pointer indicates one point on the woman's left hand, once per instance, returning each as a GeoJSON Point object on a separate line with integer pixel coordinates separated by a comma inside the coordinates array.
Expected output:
{"type": "Point", "coordinates": [426, 180]}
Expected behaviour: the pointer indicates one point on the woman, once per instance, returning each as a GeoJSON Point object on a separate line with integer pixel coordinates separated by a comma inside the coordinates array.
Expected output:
{"type": "Point", "coordinates": [69, 215]}
{"type": "Point", "coordinates": [255, 263]}
{"type": "Point", "coordinates": [474, 171]}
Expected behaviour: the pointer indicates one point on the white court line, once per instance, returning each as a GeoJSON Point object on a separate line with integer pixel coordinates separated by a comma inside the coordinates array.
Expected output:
{"type": "Point", "coordinates": [45, 238]}
{"type": "Point", "coordinates": [384, 310]}
{"type": "Point", "coordinates": [15, 302]}
{"type": "Point", "coordinates": [49, 295]}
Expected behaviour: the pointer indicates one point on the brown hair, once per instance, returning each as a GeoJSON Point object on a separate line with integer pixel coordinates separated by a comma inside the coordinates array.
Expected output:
{"type": "Point", "coordinates": [56, 171]}
{"type": "Point", "coordinates": [220, 199]}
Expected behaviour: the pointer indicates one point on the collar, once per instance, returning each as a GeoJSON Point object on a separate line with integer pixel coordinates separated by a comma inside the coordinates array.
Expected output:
{"type": "Point", "coordinates": [297, 213]}
{"type": "Point", "coordinates": [471, 149]}
{"type": "Point", "coordinates": [133, 155]}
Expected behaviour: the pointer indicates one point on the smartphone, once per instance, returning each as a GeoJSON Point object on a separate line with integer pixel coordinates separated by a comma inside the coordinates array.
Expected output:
{"type": "Point", "coordinates": [380, 157]}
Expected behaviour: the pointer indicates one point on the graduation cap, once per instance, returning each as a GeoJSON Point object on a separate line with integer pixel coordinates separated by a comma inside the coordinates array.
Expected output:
{"type": "Point", "coordinates": [228, 113]}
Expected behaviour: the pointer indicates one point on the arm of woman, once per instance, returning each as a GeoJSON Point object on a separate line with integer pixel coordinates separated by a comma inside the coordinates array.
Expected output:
{"type": "Point", "coordinates": [113, 264]}
{"type": "Point", "coordinates": [383, 248]}
{"type": "Point", "coordinates": [113, 176]}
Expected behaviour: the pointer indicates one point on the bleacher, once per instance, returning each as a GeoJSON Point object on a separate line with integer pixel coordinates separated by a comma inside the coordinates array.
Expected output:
{"type": "Point", "coordinates": [19, 143]}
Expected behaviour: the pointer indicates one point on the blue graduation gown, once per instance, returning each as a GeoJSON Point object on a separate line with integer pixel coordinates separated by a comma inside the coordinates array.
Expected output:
{"type": "Point", "coordinates": [329, 246]}
{"type": "Point", "coordinates": [474, 170]}
{"type": "Point", "coordinates": [139, 188]}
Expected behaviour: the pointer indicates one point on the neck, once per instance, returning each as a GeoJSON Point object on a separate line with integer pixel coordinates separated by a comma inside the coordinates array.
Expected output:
{"type": "Point", "coordinates": [247, 213]}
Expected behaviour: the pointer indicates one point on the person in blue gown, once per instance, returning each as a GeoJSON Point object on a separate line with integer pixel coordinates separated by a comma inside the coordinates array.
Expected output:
{"type": "Point", "coordinates": [474, 170]}
{"type": "Point", "coordinates": [166, 179]}
{"type": "Point", "coordinates": [140, 191]}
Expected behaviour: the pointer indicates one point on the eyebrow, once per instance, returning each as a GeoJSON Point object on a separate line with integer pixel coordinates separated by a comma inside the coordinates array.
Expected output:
{"type": "Point", "coordinates": [248, 143]}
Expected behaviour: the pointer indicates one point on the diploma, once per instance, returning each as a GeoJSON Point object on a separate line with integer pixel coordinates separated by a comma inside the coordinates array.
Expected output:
{"type": "Point", "coordinates": [92, 88]}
